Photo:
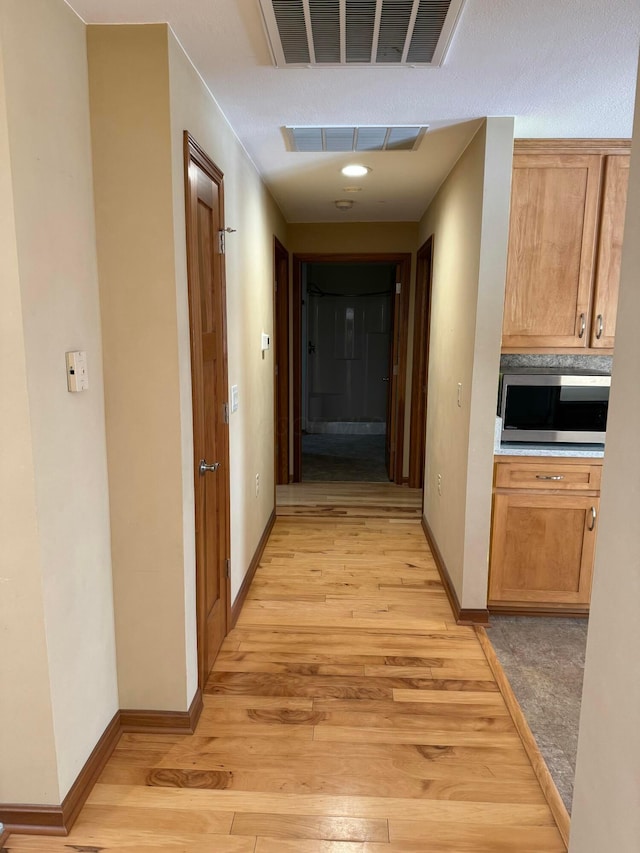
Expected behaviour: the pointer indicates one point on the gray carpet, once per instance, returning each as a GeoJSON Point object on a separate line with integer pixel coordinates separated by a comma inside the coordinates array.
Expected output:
{"type": "Point", "coordinates": [544, 662]}
{"type": "Point", "coordinates": [352, 458]}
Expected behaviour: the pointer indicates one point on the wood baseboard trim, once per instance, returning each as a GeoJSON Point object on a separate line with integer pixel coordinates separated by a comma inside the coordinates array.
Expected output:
{"type": "Point", "coordinates": [81, 788]}
{"type": "Point", "coordinates": [540, 610]}
{"type": "Point", "coordinates": [58, 820]}
{"type": "Point", "coordinates": [463, 616]}
{"type": "Point", "coordinates": [551, 795]}
{"type": "Point", "coordinates": [164, 722]}
{"type": "Point", "coordinates": [236, 607]}
{"type": "Point", "coordinates": [31, 820]}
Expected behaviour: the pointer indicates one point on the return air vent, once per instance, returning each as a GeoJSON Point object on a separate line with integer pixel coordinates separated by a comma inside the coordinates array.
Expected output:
{"type": "Point", "coordinates": [360, 32]}
{"type": "Point", "coordinates": [354, 138]}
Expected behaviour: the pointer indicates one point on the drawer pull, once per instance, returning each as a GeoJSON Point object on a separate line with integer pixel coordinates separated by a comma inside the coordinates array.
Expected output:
{"type": "Point", "coordinates": [593, 518]}
{"type": "Point", "coordinates": [549, 476]}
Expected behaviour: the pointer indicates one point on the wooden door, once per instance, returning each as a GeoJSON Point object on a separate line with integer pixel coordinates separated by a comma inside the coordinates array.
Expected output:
{"type": "Point", "coordinates": [607, 281]}
{"type": "Point", "coordinates": [207, 304]}
{"type": "Point", "coordinates": [421, 336]}
{"type": "Point", "coordinates": [281, 360]}
{"type": "Point", "coordinates": [542, 548]}
{"type": "Point", "coordinates": [554, 210]}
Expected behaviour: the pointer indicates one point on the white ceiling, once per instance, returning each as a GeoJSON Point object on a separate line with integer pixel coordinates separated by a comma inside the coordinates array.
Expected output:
{"type": "Point", "coordinates": [563, 68]}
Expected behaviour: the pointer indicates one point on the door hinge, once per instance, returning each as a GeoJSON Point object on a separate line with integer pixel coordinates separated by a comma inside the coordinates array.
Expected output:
{"type": "Point", "coordinates": [398, 287]}
{"type": "Point", "coordinates": [395, 369]}
{"type": "Point", "coordinates": [228, 565]}
{"type": "Point", "coordinates": [221, 241]}
{"type": "Point", "coordinates": [225, 412]}
{"type": "Point", "coordinates": [276, 369]}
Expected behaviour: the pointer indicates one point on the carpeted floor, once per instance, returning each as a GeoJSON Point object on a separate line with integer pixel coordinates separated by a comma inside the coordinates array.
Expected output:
{"type": "Point", "coordinates": [544, 662]}
{"type": "Point", "coordinates": [355, 458]}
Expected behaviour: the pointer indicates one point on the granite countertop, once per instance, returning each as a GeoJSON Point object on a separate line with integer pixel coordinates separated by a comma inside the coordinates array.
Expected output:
{"type": "Point", "coordinates": [587, 451]}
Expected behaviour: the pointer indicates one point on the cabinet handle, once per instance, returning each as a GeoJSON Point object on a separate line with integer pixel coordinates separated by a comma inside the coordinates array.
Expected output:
{"type": "Point", "coordinates": [593, 518]}
{"type": "Point", "coordinates": [599, 326]}
{"type": "Point", "coordinates": [583, 325]}
{"type": "Point", "coordinates": [549, 476]}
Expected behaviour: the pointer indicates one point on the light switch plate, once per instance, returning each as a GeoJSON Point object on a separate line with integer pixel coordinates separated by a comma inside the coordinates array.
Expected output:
{"type": "Point", "coordinates": [234, 398]}
{"type": "Point", "coordinates": [77, 375]}
{"type": "Point", "coordinates": [266, 341]}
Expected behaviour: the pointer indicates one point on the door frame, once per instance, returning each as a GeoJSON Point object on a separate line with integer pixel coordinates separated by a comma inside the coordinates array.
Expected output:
{"type": "Point", "coordinates": [400, 329]}
{"type": "Point", "coordinates": [193, 153]}
{"type": "Point", "coordinates": [281, 362]}
{"type": "Point", "coordinates": [420, 373]}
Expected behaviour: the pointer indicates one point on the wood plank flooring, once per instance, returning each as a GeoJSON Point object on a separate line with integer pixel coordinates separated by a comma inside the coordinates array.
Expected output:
{"type": "Point", "coordinates": [346, 713]}
{"type": "Point", "coordinates": [351, 500]}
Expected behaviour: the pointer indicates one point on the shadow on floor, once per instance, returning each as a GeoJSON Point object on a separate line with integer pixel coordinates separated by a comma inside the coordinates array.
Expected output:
{"type": "Point", "coordinates": [347, 458]}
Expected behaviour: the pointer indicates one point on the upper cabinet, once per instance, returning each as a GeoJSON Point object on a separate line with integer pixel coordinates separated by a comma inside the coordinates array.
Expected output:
{"type": "Point", "coordinates": [609, 254]}
{"type": "Point", "coordinates": [567, 221]}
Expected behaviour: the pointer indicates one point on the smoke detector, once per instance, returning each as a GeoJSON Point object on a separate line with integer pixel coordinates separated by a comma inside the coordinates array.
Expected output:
{"type": "Point", "coordinates": [344, 203]}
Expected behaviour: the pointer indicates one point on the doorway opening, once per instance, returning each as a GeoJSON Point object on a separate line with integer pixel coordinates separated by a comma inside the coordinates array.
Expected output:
{"type": "Point", "coordinates": [349, 349]}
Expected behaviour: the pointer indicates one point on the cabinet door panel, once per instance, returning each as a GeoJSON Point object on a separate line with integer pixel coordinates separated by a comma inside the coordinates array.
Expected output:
{"type": "Point", "coordinates": [554, 207]}
{"type": "Point", "coordinates": [542, 548]}
{"type": "Point", "coordinates": [612, 217]}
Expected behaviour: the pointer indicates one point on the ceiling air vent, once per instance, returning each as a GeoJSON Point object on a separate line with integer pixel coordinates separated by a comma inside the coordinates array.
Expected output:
{"type": "Point", "coordinates": [355, 138]}
{"type": "Point", "coordinates": [360, 32]}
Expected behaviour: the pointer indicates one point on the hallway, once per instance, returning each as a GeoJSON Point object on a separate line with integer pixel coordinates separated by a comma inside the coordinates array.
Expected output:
{"type": "Point", "coordinates": [346, 713]}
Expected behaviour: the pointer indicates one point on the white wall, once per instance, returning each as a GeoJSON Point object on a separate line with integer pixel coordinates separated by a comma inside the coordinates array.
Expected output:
{"type": "Point", "coordinates": [606, 803]}
{"type": "Point", "coordinates": [47, 119]}
{"type": "Point", "coordinates": [469, 220]}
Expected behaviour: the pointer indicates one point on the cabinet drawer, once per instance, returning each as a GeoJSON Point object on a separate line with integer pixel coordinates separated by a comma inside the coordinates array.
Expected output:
{"type": "Point", "coordinates": [547, 475]}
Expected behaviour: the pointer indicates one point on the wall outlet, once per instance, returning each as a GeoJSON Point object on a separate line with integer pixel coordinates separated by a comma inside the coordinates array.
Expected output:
{"type": "Point", "coordinates": [257, 484]}
{"type": "Point", "coordinates": [459, 395]}
{"type": "Point", "coordinates": [440, 484]}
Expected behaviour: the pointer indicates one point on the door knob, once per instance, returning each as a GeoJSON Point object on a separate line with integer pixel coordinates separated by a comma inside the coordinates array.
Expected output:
{"type": "Point", "coordinates": [204, 467]}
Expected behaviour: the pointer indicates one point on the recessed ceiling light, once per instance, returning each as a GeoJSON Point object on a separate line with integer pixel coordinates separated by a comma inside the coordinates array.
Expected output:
{"type": "Point", "coordinates": [344, 204]}
{"type": "Point", "coordinates": [355, 171]}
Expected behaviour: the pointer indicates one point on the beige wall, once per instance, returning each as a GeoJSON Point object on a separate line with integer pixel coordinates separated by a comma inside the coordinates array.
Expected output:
{"type": "Point", "coordinates": [469, 221]}
{"type": "Point", "coordinates": [28, 765]}
{"type": "Point", "coordinates": [250, 209]}
{"type": "Point", "coordinates": [131, 133]}
{"type": "Point", "coordinates": [58, 579]}
{"type": "Point", "coordinates": [144, 94]}
{"type": "Point", "coordinates": [360, 237]}
{"type": "Point", "coordinates": [606, 813]}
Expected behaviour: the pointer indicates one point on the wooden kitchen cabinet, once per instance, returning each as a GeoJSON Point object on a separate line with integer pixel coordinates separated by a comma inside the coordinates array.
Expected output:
{"type": "Point", "coordinates": [543, 534]}
{"type": "Point", "coordinates": [609, 253]}
{"type": "Point", "coordinates": [565, 236]}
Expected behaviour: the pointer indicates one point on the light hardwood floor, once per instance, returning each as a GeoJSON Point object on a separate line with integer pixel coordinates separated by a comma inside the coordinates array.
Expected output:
{"type": "Point", "coordinates": [346, 713]}
{"type": "Point", "coordinates": [350, 500]}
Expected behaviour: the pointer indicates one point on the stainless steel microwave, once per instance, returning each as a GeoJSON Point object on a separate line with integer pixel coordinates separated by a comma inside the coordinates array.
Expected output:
{"type": "Point", "coordinates": [552, 406]}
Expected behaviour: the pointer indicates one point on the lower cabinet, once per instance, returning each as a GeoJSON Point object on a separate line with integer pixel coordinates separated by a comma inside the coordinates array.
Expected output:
{"type": "Point", "coordinates": [543, 535]}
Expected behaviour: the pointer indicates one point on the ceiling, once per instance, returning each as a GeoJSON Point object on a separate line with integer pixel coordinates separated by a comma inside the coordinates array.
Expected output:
{"type": "Point", "coordinates": [563, 69]}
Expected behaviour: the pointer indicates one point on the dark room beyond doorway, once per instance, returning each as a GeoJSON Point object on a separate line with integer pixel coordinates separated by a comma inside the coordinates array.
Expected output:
{"type": "Point", "coordinates": [347, 335]}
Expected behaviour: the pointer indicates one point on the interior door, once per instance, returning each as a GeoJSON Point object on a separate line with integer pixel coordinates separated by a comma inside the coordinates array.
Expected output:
{"type": "Point", "coordinates": [205, 224]}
